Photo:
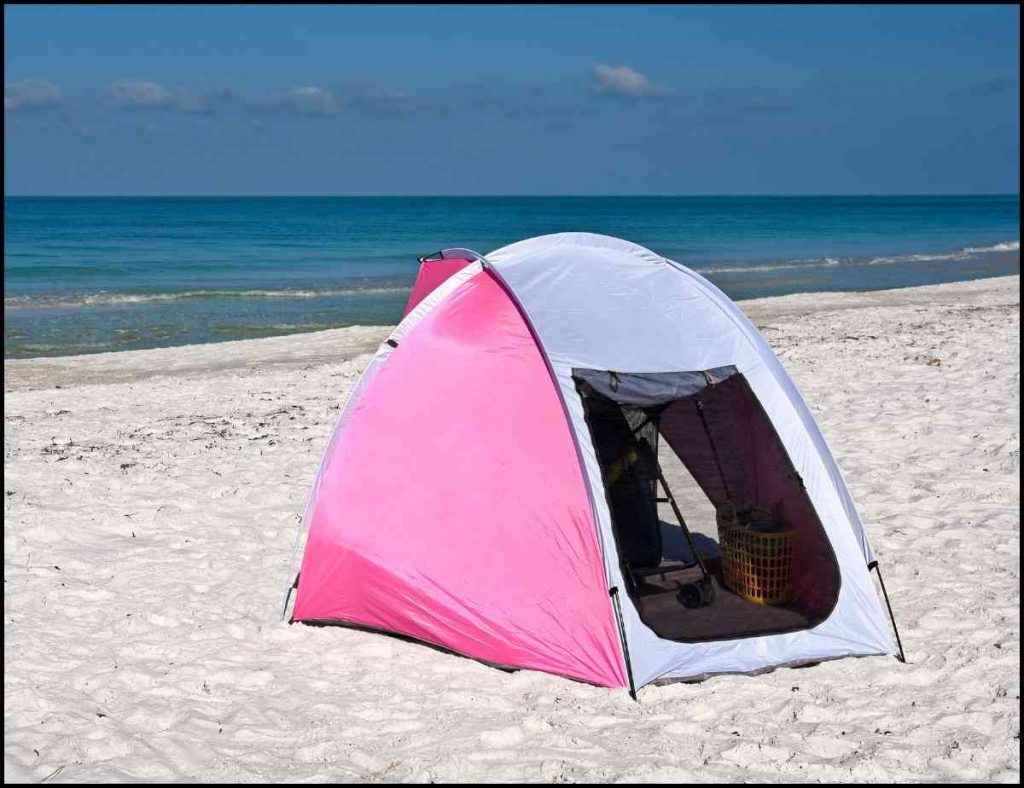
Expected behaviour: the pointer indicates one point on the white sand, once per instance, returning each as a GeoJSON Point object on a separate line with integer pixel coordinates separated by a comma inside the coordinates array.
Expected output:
{"type": "Point", "coordinates": [150, 506]}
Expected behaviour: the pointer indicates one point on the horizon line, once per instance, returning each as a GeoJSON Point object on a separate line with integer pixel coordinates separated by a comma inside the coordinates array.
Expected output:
{"type": "Point", "coordinates": [513, 195]}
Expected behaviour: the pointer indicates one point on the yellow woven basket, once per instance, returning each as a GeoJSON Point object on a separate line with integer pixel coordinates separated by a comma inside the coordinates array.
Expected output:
{"type": "Point", "coordinates": [757, 565]}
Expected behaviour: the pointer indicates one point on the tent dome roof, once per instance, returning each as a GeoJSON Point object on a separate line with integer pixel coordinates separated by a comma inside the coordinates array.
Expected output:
{"type": "Point", "coordinates": [590, 241]}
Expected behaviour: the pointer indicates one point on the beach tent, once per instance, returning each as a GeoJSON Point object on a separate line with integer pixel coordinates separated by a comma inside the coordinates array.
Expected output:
{"type": "Point", "coordinates": [492, 484]}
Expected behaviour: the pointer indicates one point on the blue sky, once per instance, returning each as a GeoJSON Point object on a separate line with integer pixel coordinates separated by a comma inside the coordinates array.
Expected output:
{"type": "Point", "coordinates": [511, 100]}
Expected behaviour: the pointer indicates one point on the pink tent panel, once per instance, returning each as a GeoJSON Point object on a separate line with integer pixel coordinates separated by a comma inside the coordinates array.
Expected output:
{"type": "Point", "coordinates": [453, 508]}
{"type": "Point", "coordinates": [432, 274]}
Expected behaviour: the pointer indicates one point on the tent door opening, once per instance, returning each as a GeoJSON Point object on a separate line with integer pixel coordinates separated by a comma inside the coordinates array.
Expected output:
{"type": "Point", "coordinates": [740, 551]}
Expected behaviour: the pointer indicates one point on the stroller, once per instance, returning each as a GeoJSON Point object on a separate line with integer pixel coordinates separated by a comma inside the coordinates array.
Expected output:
{"type": "Point", "coordinates": [627, 445]}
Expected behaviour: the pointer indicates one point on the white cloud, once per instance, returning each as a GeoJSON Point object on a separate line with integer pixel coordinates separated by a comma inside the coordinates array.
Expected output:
{"type": "Point", "coordinates": [304, 100]}
{"type": "Point", "coordinates": [623, 81]}
{"type": "Point", "coordinates": [130, 93]}
{"type": "Point", "coordinates": [309, 100]}
{"type": "Point", "coordinates": [30, 94]}
{"type": "Point", "coordinates": [136, 94]}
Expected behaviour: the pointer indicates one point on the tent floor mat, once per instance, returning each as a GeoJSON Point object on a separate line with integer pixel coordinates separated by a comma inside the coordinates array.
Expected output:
{"type": "Point", "coordinates": [730, 615]}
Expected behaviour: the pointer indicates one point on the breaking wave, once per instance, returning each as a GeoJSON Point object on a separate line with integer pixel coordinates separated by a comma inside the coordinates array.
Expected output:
{"type": "Point", "coordinates": [113, 299]}
{"type": "Point", "coordinates": [828, 262]}
{"type": "Point", "coordinates": [1006, 246]}
{"type": "Point", "coordinates": [960, 254]}
{"type": "Point", "coordinates": [824, 262]}
{"type": "Point", "coordinates": [78, 300]}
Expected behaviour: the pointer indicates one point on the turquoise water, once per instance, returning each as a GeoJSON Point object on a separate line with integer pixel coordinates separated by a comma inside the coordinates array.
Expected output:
{"type": "Point", "coordinates": [84, 275]}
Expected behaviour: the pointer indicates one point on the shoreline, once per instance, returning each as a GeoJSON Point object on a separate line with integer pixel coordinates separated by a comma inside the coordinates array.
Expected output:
{"type": "Point", "coordinates": [402, 283]}
{"type": "Point", "coordinates": [111, 316]}
{"type": "Point", "coordinates": [339, 344]}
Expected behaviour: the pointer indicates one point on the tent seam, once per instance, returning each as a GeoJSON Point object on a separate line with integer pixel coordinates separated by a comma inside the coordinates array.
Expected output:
{"type": "Point", "coordinates": [510, 293]}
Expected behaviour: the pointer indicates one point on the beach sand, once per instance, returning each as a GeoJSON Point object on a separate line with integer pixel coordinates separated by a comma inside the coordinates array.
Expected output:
{"type": "Point", "coordinates": [150, 507]}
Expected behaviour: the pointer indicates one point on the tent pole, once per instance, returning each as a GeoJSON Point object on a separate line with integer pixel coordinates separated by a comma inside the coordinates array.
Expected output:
{"type": "Point", "coordinates": [714, 449]}
{"type": "Point", "coordinates": [622, 637]}
{"type": "Point", "coordinates": [892, 618]}
{"type": "Point", "coordinates": [288, 596]}
{"type": "Point", "coordinates": [292, 581]}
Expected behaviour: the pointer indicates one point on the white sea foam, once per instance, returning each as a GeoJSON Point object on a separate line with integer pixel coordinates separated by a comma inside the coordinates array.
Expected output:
{"type": "Point", "coordinates": [960, 254]}
{"type": "Point", "coordinates": [824, 262]}
{"type": "Point", "coordinates": [828, 262]}
{"type": "Point", "coordinates": [918, 258]}
{"type": "Point", "coordinates": [112, 299]}
{"type": "Point", "coordinates": [1006, 246]}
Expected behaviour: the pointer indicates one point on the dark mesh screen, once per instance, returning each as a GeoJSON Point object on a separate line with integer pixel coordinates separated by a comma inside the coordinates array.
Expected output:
{"type": "Point", "coordinates": [629, 467]}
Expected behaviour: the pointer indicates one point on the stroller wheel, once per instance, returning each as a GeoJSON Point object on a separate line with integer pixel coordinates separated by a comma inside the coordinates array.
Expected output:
{"type": "Point", "coordinates": [690, 595]}
{"type": "Point", "coordinates": [698, 594]}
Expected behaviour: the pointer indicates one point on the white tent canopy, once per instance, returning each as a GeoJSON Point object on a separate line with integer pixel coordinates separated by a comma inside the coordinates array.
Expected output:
{"type": "Point", "coordinates": [606, 333]}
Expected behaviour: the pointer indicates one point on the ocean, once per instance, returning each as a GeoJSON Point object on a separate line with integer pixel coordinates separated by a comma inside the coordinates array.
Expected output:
{"type": "Point", "coordinates": [90, 275]}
